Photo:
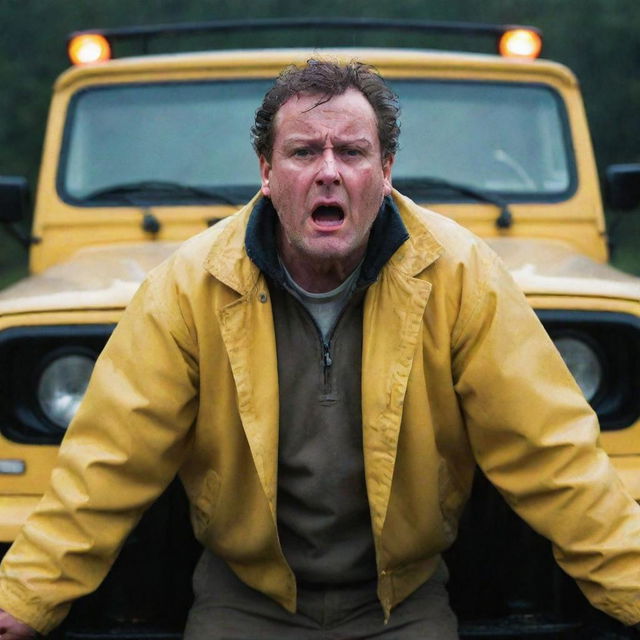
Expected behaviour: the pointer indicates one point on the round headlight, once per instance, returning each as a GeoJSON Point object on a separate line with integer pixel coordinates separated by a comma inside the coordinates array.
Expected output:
{"type": "Point", "coordinates": [583, 362]}
{"type": "Point", "coordinates": [62, 386]}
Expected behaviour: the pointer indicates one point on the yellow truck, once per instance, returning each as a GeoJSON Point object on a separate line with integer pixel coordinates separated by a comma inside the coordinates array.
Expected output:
{"type": "Point", "coordinates": [143, 151]}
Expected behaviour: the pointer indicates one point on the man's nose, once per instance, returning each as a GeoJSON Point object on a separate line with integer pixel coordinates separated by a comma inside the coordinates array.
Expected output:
{"type": "Point", "coordinates": [328, 172]}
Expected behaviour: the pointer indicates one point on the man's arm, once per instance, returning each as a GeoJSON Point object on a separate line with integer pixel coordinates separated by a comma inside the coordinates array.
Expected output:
{"type": "Point", "coordinates": [536, 439]}
{"type": "Point", "coordinates": [123, 448]}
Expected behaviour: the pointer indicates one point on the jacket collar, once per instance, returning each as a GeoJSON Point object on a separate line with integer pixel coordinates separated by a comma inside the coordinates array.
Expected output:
{"type": "Point", "coordinates": [422, 248]}
{"type": "Point", "coordinates": [387, 234]}
{"type": "Point", "coordinates": [246, 244]}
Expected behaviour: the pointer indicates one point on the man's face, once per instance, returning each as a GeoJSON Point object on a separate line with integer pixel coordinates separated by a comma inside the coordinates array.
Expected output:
{"type": "Point", "coordinates": [326, 177]}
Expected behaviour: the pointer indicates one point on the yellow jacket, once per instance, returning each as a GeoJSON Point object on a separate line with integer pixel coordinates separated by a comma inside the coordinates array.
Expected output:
{"type": "Point", "coordinates": [456, 369]}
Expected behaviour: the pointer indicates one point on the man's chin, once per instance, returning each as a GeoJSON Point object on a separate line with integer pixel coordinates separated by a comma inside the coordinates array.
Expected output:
{"type": "Point", "coordinates": [329, 249]}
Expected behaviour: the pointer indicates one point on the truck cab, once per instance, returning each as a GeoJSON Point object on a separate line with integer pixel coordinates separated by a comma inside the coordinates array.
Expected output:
{"type": "Point", "coordinates": [143, 152]}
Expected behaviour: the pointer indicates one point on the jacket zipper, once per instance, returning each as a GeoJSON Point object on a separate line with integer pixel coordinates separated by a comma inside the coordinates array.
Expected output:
{"type": "Point", "coordinates": [327, 359]}
{"type": "Point", "coordinates": [327, 362]}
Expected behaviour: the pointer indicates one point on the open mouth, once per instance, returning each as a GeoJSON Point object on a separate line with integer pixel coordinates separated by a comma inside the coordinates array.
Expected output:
{"type": "Point", "coordinates": [328, 217]}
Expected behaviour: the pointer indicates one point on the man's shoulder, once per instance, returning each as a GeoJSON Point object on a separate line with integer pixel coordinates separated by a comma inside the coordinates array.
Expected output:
{"type": "Point", "coordinates": [453, 242]}
{"type": "Point", "coordinates": [223, 241]}
{"type": "Point", "coordinates": [229, 231]}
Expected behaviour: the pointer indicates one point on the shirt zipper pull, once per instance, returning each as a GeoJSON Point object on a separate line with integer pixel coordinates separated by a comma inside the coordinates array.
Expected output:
{"type": "Point", "coordinates": [327, 356]}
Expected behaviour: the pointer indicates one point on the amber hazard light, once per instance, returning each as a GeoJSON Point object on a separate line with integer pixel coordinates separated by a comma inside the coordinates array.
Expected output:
{"type": "Point", "coordinates": [520, 43]}
{"type": "Point", "coordinates": [88, 48]}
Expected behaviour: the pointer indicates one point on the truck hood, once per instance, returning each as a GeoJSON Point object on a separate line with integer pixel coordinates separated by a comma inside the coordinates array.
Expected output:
{"type": "Point", "coordinates": [94, 278]}
{"type": "Point", "coordinates": [106, 278]}
{"type": "Point", "coordinates": [546, 267]}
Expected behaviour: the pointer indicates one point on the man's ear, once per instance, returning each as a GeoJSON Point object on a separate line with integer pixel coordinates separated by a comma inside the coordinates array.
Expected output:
{"type": "Point", "coordinates": [265, 172]}
{"type": "Point", "coordinates": [387, 163]}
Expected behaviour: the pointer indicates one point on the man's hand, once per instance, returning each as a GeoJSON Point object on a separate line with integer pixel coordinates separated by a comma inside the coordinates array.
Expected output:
{"type": "Point", "coordinates": [12, 629]}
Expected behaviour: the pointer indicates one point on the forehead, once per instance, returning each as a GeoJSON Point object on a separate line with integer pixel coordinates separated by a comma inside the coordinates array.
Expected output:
{"type": "Point", "coordinates": [346, 114]}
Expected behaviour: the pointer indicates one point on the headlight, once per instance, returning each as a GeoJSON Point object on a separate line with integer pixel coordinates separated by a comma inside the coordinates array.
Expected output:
{"type": "Point", "coordinates": [62, 386]}
{"type": "Point", "coordinates": [583, 362]}
{"type": "Point", "coordinates": [602, 351]}
{"type": "Point", "coordinates": [44, 371]}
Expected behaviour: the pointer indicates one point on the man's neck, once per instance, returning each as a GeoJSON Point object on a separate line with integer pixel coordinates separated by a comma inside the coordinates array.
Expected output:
{"type": "Point", "coordinates": [321, 275]}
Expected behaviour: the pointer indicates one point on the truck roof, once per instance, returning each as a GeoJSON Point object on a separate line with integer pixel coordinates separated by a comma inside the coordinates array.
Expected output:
{"type": "Point", "coordinates": [267, 62]}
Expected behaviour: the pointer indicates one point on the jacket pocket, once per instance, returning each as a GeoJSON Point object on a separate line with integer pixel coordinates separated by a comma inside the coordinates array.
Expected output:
{"type": "Point", "coordinates": [204, 507]}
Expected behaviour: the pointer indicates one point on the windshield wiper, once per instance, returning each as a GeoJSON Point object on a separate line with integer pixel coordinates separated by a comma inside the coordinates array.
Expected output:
{"type": "Point", "coordinates": [429, 185]}
{"type": "Point", "coordinates": [128, 191]}
{"type": "Point", "coordinates": [133, 192]}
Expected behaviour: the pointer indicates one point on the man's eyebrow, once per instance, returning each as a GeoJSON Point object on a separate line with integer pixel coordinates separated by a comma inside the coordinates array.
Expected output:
{"type": "Point", "coordinates": [338, 142]}
{"type": "Point", "coordinates": [300, 140]}
{"type": "Point", "coordinates": [365, 142]}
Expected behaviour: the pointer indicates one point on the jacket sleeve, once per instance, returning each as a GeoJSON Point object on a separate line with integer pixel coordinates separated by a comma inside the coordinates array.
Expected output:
{"type": "Point", "coordinates": [536, 438]}
{"type": "Point", "coordinates": [121, 450]}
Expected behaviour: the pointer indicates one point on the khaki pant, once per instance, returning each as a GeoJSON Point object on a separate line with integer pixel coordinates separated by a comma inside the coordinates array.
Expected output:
{"type": "Point", "coordinates": [226, 609]}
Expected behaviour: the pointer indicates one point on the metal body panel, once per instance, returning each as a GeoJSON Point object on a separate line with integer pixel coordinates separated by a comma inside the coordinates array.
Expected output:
{"type": "Point", "coordinates": [94, 278]}
{"type": "Point", "coordinates": [554, 268]}
{"type": "Point", "coordinates": [107, 276]}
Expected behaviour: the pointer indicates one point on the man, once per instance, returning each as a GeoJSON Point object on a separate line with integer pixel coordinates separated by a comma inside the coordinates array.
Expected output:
{"type": "Point", "coordinates": [323, 370]}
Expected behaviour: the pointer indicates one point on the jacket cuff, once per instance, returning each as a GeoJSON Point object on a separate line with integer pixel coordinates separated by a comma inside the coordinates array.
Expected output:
{"type": "Point", "coordinates": [28, 608]}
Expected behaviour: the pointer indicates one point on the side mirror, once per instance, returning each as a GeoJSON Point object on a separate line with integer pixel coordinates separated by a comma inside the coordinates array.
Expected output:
{"type": "Point", "coordinates": [622, 186]}
{"type": "Point", "coordinates": [14, 199]}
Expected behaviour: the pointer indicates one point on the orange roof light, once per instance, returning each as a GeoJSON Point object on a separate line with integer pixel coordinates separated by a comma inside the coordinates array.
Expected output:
{"type": "Point", "coordinates": [520, 43]}
{"type": "Point", "coordinates": [87, 48]}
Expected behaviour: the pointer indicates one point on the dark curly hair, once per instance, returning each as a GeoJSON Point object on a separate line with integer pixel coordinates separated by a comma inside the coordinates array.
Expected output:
{"type": "Point", "coordinates": [328, 79]}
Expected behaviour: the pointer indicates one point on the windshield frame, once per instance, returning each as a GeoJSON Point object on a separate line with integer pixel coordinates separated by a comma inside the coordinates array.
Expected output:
{"type": "Point", "coordinates": [241, 194]}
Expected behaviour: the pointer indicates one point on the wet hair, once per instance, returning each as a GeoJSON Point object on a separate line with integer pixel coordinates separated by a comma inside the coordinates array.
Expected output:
{"type": "Point", "coordinates": [328, 79]}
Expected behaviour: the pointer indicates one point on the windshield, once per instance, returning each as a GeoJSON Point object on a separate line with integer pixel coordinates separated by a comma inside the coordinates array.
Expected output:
{"type": "Point", "coordinates": [185, 142]}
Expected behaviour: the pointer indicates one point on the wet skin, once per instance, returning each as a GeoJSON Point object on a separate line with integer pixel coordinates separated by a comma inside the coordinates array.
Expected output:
{"type": "Point", "coordinates": [326, 179]}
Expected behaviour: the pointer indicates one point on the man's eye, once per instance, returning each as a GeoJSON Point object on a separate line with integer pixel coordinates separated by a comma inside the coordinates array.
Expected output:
{"type": "Point", "coordinates": [352, 153]}
{"type": "Point", "coordinates": [302, 153]}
